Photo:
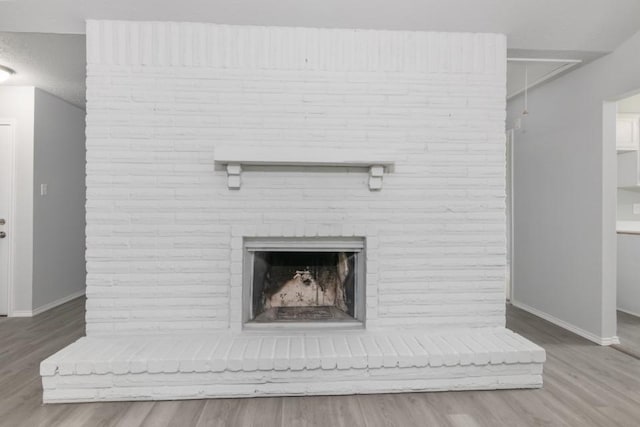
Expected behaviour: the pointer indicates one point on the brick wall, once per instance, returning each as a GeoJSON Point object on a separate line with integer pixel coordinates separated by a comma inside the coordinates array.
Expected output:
{"type": "Point", "coordinates": [163, 229]}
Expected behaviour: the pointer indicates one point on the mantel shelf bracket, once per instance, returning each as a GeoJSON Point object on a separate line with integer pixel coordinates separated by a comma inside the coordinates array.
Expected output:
{"type": "Point", "coordinates": [376, 172]}
{"type": "Point", "coordinates": [234, 178]}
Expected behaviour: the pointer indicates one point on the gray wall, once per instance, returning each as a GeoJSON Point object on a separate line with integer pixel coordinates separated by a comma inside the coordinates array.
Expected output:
{"type": "Point", "coordinates": [17, 103]}
{"type": "Point", "coordinates": [59, 217]}
{"type": "Point", "coordinates": [565, 193]}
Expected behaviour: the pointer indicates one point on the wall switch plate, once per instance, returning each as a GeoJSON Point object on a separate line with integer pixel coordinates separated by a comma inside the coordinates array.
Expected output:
{"type": "Point", "coordinates": [43, 189]}
{"type": "Point", "coordinates": [636, 208]}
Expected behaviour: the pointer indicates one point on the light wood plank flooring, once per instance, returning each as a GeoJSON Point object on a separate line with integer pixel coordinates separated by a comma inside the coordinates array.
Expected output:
{"type": "Point", "coordinates": [585, 385]}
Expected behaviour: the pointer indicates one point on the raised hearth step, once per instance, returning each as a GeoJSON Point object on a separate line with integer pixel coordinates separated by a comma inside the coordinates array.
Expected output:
{"type": "Point", "coordinates": [137, 368]}
{"type": "Point", "coordinates": [218, 353]}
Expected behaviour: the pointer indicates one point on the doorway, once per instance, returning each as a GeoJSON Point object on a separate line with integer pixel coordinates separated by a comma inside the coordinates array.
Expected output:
{"type": "Point", "coordinates": [6, 213]}
{"type": "Point", "coordinates": [627, 131]}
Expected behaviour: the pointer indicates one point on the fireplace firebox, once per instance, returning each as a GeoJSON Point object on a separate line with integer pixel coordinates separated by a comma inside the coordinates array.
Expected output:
{"type": "Point", "coordinates": [308, 281]}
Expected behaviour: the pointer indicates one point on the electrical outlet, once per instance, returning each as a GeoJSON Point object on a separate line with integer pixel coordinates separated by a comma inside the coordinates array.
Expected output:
{"type": "Point", "coordinates": [43, 189]}
{"type": "Point", "coordinates": [636, 208]}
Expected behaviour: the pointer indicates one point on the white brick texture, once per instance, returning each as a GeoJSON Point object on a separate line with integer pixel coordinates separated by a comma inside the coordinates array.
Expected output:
{"type": "Point", "coordinates": [163, 227]}
{"type": "Point", "coordinates": [239, 365]}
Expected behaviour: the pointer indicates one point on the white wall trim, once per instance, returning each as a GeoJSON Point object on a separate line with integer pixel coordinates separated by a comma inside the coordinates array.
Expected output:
{"type": "Point", "coordinates": [610, 340]}
{"type": "Point", "coordinates": [632, 313]}
{"type": "Point", "coordinates": [21, 313]}
{"type": "Point", "coordinates": [12, 213]}
{"type": "Point", "coordinates": [58, 302]}
{"type": "Point", "coordinates": [609, 241]}
{"type": "Point", "coordinates": [510, 139]}
{"type": "Point", "coordinates": [565, 325]}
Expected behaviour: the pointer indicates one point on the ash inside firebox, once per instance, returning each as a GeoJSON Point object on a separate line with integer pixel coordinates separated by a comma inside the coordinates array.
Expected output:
{"type": "Point", "coordinates": [303, 285]}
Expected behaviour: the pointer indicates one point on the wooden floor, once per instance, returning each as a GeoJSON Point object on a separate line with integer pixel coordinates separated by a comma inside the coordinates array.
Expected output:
{"type": "Point", "coordinates": [585, 385]}
{"type": "Point", "coordinates": [629, 333]}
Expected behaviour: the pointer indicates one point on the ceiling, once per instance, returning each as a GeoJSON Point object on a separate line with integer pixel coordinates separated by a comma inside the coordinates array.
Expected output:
{"type": "Point", "coordinates": [566, 29]}
{"type": "Point", "coordinates": [55, 63]}
{"type": "Point", "coordinates": [583, 25]}
{"type": "Point", "coordinates": [552, 64]}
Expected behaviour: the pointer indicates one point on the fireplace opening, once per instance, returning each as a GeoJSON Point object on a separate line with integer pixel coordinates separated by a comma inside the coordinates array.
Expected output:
{"type": "Point", "coordinates": [309, 282]}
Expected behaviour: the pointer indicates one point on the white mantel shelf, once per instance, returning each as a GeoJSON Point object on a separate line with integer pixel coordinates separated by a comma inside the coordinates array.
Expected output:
{"type": "Point", "coordinates": [235, 158]}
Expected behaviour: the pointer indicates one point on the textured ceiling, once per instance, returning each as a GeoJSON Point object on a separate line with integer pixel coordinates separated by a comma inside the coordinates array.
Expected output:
{"type": "Point", "coordinates": [55, 63]}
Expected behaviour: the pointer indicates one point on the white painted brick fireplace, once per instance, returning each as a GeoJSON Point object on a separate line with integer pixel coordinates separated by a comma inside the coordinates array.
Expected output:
{"type": "Point", "coordinates": [202, 136]}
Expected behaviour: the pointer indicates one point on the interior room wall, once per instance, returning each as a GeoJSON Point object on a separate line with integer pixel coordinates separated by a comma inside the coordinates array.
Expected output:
{"type": "Point", "coordinates": [59, 215]}
{"type": "Point", "coordinates": [17, 103]}
{"type": "Point", "coordinates": [565, 190]}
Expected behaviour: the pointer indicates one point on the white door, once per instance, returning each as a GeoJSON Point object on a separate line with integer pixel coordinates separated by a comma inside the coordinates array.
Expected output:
{"type": "Point", "coordinates": [5, 211]}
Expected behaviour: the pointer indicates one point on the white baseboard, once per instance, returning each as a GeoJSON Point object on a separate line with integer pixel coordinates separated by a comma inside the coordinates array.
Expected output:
{"type": "Point", "coordinates": [628, 312]}
{"type": "Point", "coordinates": [565, 325]}
{"type": "Point", "coordinates": [58, 302]}
{"type": "Point", "coordinates": [21, 313]}
{"type": "Point", "coordinates": [609, 340]}
{"type": "Point", "coordinates": [49, 306]}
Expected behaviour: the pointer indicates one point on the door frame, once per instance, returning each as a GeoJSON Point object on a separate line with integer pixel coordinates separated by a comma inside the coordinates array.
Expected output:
{"type": "Point", "coordinates": [9, 227]}
{"type": "Point", "coordinates": [509, 148]}
{"type": "Point", "coordinates": [610, 196]}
